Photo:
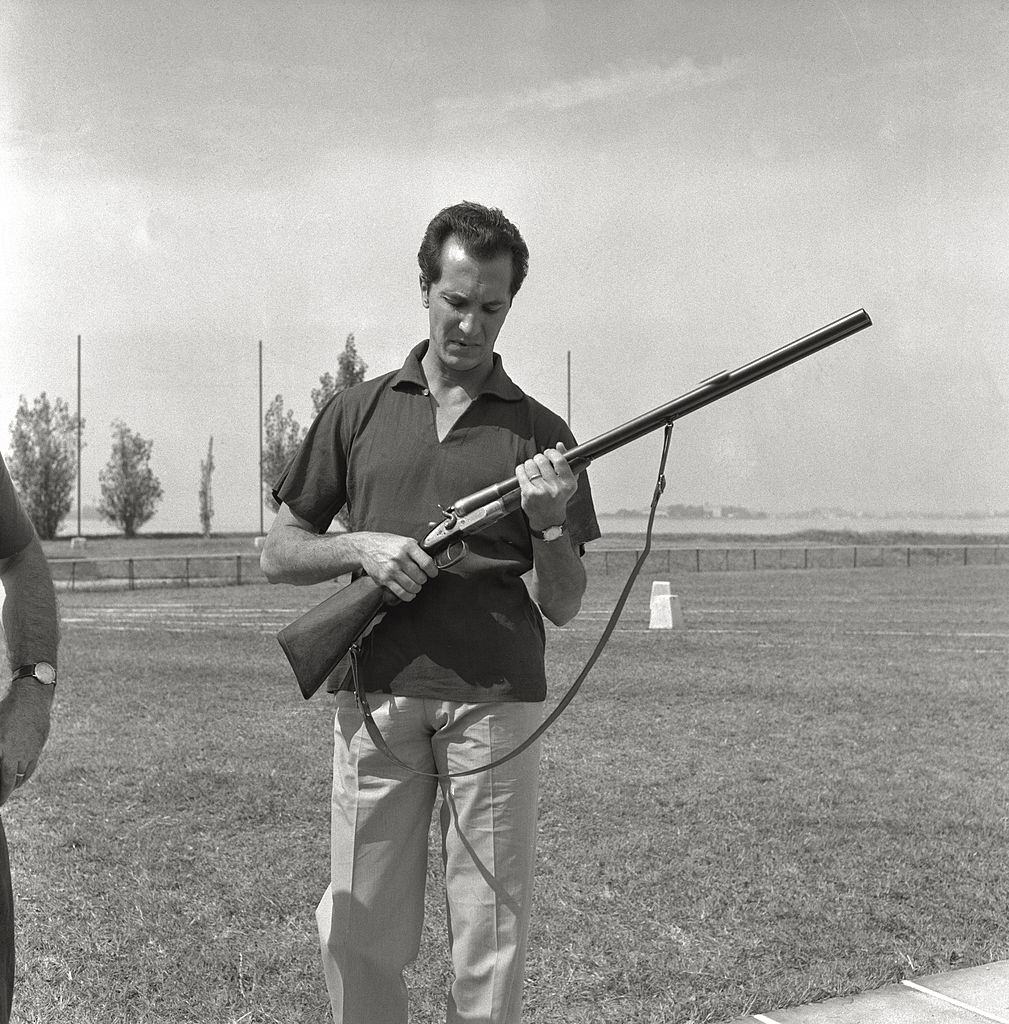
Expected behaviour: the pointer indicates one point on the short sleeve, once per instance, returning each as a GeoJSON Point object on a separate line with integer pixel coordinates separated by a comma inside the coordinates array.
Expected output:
{"type": "Point", "coordinates": [313, 485]}
{"type": "Point", "coordinates": [16, 530]}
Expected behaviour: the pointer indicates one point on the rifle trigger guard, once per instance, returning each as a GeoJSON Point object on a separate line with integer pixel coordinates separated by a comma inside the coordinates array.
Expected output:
{"type": "Point", "coordinates": [455, 552]}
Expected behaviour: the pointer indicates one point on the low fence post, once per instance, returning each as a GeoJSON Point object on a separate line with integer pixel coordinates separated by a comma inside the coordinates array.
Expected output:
{"type": "Point", "coordinates": [238, 570]}
{"type": "Point", "coordinates": [129, 573]}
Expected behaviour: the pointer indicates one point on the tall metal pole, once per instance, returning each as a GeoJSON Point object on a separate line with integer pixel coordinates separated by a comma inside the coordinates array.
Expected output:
{"type": "Point", "coordinates": [261, 525]}
{"type": "Point", "coordinates": [569, 389]}
{"type": "Point", "coordinates": [78, 435]}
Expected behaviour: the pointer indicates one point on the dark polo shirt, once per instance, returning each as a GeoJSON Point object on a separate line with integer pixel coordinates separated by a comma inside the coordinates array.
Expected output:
{"type": "Point", "coordinates": [16, 530]}
{"type": "Point", "coordinates": [473, 633]}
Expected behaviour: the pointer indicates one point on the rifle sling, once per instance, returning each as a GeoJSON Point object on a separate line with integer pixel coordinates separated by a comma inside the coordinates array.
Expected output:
{"type": "Point", "coordinates": [376, 734]}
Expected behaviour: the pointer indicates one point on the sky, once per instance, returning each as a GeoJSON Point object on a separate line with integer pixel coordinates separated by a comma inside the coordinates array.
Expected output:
{"type": "Point", "coordinates": [698, 183]}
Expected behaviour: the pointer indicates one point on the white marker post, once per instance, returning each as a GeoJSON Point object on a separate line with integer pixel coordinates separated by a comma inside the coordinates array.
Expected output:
{"type": "Point", "coordinates": [665, 609]}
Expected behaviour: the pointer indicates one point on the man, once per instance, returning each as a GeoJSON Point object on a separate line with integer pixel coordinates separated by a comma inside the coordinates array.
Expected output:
{"type": "Point", "coordinates": [454, 672]}
{"type": "Point", "coordinates": [31, 630]}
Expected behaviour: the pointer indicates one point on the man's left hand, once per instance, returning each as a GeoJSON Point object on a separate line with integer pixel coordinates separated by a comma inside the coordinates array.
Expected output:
{"type": "Point", "coordinates": [24, 728]}
{"type": "Point", "coordinates": [546, 483]}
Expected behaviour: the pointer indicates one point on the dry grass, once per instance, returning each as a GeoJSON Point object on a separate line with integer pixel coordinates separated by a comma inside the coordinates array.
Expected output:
{"type": "Point", "coordinates": [801, 794]}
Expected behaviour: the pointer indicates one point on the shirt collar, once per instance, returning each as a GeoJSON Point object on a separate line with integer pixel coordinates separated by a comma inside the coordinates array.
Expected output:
{"type": "Point", "coordinates": [498, 383]}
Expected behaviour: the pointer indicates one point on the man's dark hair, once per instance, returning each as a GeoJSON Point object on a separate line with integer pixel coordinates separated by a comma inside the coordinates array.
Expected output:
{"type": "Point", "coordinates": [483, 232]}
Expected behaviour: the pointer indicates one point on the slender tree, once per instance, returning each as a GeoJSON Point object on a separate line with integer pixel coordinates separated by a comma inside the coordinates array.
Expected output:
{"type": "Point", "coordinates": [130, 490]}
{"type": "Point", "coordinates": [282, 434]}
{"type": "Point", "coordinates": [206, 493]}
{"type": "Point", "coordinates": [43, 461]}
{"type": "Point", "coordinates": [281, 431]}
{"type": "Point", "coordinates": [350, 370]}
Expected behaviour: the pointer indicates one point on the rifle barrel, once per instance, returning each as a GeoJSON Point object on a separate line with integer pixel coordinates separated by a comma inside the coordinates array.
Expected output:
{"type": "Point", "coordinates": [710, 390]}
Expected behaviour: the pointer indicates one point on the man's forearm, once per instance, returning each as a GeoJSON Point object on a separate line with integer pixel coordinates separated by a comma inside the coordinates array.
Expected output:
{"type": "Point", "coordinates": [30, 615]}
{"type": "Point", "coordinates": [295, 553]}
{"type": "Point", "coordinates": [292, 555]}
{"type": "Point", "coordinates": [558, 580]}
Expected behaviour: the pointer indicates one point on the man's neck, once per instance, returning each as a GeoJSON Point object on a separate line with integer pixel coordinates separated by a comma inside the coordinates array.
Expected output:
{"type": "Point", "coordinates": [443, 380]}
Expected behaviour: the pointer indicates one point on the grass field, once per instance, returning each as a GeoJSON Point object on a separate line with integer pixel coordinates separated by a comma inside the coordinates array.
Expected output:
{"type": "Point", "coordinates": [801, 794]}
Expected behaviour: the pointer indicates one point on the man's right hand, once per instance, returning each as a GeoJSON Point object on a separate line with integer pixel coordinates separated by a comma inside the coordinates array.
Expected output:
{"type": "Point", "coordinates": [397, 563]}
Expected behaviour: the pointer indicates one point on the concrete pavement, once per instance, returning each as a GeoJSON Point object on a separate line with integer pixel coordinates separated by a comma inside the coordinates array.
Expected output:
{"type": "Point", "coordinates": [969, 996]}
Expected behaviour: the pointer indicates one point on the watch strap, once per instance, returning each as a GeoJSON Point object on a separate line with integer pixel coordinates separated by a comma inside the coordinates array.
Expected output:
{"type": "Point", "coordinates": [550, 533]}
{"type": "Point", "coordinates": [41, 670]}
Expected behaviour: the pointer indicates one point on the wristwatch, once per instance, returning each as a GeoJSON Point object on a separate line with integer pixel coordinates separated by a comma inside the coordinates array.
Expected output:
{"type": "Point", "coordinates": [550, 533]}
{"type": "Point", "coordinates": [41, 670]}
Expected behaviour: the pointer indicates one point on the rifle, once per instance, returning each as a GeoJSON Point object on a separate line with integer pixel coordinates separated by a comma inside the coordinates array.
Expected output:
{"type": "Point", "coordinates": [317, 641]}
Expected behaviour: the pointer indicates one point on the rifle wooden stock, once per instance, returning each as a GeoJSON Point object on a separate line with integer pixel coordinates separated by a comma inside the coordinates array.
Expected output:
{"type": "Point", "coordinates": [316, 642]}
{"type": "Point", "coordinates": [319, 640]}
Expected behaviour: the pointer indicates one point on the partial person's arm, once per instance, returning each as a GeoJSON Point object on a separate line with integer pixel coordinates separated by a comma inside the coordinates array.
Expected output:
{"type": "Point", "coordinates": [557, 581]}
{"type": "Point", "coordinates": [295, 552]}
{"type": "Point", "coordinates": [31, 631]}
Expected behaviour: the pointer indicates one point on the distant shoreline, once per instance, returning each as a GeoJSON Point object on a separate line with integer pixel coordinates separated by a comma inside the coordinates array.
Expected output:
{"type": "Point", "coordinates": [921, 529]}
{"type": "Point", "coordinates": [826, 538]}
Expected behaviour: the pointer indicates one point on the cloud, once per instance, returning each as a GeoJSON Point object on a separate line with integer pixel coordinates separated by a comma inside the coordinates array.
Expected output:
{"type": "Point", "coordinates": [618, 85]}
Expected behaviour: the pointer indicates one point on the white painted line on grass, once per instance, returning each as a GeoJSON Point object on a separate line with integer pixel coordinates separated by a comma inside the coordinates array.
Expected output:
{"type": "Point", "coordinates": [764, 1019]}
{"type": "Point", "coordinates": [956, 1002]}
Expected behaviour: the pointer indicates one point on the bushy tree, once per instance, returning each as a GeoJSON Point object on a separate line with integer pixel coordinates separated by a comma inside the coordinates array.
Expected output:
{"type": "Point", "coordinates": [43, 461]}
{"type": "Point", "coordinates": [350, 370]}
{"type": "Point", "coordinates": [282, 434]}
{"type": "Point", "coordinates": [130, 490]}
{"type": "Point", "coordinates": [206, 493]}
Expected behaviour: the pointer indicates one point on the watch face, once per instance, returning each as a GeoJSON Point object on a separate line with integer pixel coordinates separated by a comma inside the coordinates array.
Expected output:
{"type": "Point", "coordinates": [45, 673]}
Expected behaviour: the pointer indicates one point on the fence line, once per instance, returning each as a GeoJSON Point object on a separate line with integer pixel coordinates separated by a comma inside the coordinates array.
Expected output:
{"type": "Point", "coordinates": [827, 556]}
{"type": "Point", "coordinates": [144, 571]}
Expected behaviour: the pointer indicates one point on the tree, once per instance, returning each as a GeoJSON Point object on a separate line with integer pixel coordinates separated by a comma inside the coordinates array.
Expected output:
{"type": "Point", "coordinates": [43, 461]}
{"type": "Point", "coordinates": [206, 495]}
{"type": "Point", "coordinates": [350, 370]}
{"type": "Point", "coordinates": [281, 431]}
{"type": "Point", "coordinates": [130, 490]}
{"type": "Point", "coordinates": [281, 436]}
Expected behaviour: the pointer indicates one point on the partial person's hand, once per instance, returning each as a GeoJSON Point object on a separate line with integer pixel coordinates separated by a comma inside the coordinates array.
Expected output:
{"type": "Point", "coordinates": [24, 727]}
{"type": "Point", "coordinates": [546, 483]}
{"type": "Point", "coordinates": [399, 564]}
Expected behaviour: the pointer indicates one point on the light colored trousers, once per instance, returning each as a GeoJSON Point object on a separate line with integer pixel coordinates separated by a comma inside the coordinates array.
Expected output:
{"type": "Point", "coordinates": [371, 916]}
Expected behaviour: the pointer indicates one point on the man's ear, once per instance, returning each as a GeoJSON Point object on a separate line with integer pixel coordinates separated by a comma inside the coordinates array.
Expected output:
{"type": "Point", "coordinates": [425, 291]}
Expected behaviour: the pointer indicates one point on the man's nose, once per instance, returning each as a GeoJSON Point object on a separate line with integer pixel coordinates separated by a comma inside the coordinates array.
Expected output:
{"type": "Point", "coordinates": [468, 324]}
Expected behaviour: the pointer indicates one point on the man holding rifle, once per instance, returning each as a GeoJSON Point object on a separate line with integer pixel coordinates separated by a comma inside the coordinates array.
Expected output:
{"type": "Point", "coordinates": [454, 670]}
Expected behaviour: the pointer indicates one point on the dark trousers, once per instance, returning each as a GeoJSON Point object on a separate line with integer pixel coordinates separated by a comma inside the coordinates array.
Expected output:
{"type": "Point", "coordinates": [6, 931]}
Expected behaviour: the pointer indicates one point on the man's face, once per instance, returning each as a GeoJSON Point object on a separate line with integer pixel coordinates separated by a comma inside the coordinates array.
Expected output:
{"type": "Point", "coordinates": [467, 307]}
